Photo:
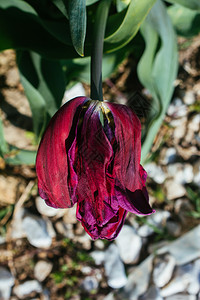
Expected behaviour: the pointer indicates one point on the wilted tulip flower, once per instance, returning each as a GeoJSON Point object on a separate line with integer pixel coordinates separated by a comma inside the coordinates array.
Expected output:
{"type": "Point", "coordinates": [90, 155]}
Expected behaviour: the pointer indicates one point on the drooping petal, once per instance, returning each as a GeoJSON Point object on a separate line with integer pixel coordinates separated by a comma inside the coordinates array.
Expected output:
{"type": "Point", "coordinates": [94, 153]}
{"type": "Point", "coordinates": [128, 150]}
{"type": "Point", "coordinates": [51, 163]}
{"type": "Point", "coordinates": [113, 221]}
{"type": "Point", "coordinates": [136, 202]}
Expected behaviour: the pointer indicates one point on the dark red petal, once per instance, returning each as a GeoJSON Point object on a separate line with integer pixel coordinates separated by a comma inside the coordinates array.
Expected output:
{"type": "Point", "coordinates": [136, 202]}
{"type": "Point", "coordinates": [94, 153]}
{"type": "Point", "coordinates": [113, 228]}
{"type": "Point", "coordinates": [51, 161]}
{"type": "Point", "coordinates": [111, 225]}
{"type": "Point", "coordinates": [128, 150]}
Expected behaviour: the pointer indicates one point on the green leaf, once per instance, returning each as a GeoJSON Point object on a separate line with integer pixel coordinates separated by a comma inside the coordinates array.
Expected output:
{"type": "Point", "coordinates": [13, 155]}
{"type": "Point", "coordinates": [192, 4]}
{"type": "Point", "coordinates": [122, 27]}
{"type": "Point", "coordinates": [28, 31]}
{"type": "Point", "coordinates": [185, 21]}
{"type": "Point", "coordinates": [3, 145]}
{"type": "Point", "coordinates": [37, 105]}
{"type": "Point", "coordinates": [20, 157]}
{"type": "Point", "coordinates": [79, 69]}
{"type": "Point", "coordinates": [77, 21]}
{"type": "Point", "coordinates": [90, 2]}
{"type": "Point", "coordinates": [122, 4]}
{"type": "Point", "coordinates": [158, 70]}
{"type": "Point", "coordinates": [44, 85]}
{"type": "Point", "coordinates": [61, 6]}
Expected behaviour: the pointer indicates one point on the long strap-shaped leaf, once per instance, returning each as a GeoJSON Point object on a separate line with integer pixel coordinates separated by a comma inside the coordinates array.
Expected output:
{"type": "Point", "coordinates": [179, 14]}
{"type": "Point", "coordinates": [22, 28]}
{"type": "Point", "coordinates": [3, 144]}
{"type": "Point", "coordinates": [61, 6]}
{"type": "Point", "coordinates": [44, 85]}
{"type": "Point", "coordinates": [192, 4]}
{"type": "Point", "coordinates": [158, 72]}
{"type": "Point", "coordinates": [126, 29]}
{"type": "Point", "coordinates": [12, 155]}
{"type": "Point", "coordinates": [77, 21]}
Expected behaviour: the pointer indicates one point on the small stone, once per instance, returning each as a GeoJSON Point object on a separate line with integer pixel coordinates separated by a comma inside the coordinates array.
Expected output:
{"type": "Point", "coordinates": [84, 240]}
{"type": "Point", "coordinates": [181, 297]}
{"type": "Point", "coordinates": [70, 215]}
{"type": "Point", "coordinates": [182, 173]}
{"type": "Point", "coordinates": [177, 108]}
{"type": "Point", "coordinates": [6, 282]}
{"type": "Point", "coordinates": [47, 210]}
{"type": "Point", "coordinates": [50, 228]}
{"type": "Point", "coordinates": [99, 244]}
{"type": "Point", "coordinates": [155, 172]}
{"type": "Point", "coordinates": [188, 152]}
{"type": "Point", "coordinates": [173, 228]}
{"type": "Point", "coordinates": [42, 270]}
{"type": "Point", "coordinates": [28, 287]}
{"type": "Point", "coordinates": [16, 227]}
{"type": "Point", "coordinates": [163, 270]}
{"type": "Point", "coordinates": [86, 270]}
{"type": "Point", "coordinates": [194, 286]}
{"type": "Point", "coordinates": [194, 123]}
{"type": "Point", "coordinates": [98, 256]}
{"type": "Point", "coordinates": [189, 245]}
{"type": "Point", "coordinates": [153, 293]}
{"type": "Point", "coordinates": [114, 268]}
{"type": "Point", "coordinates": [180, 283]}
{"type": "Point", "coordinates": [138, 280]}
{"type": "Point", "coordinates": [8, 195]}
{"type": "Point", "coordinates": [75, 91]}
{"type": "Point", "coordinates": [129, 244]}
{"type": "Point", "coordinates": [180, 128]}
{"type": "Point", "coordinates": [174, 190]}
{"type": "Point", "coordinates": [45, 295]}
{"type": "Point", "coordinates": [169, 155]}
{"type": "Point", "coordinates": [65, 229]}
{"type": "Point", "coordinates": [12, 77]}
{"type": "Point", "coordinates": [90, 284]}
{"type": "Point", "coordinates": [98, 274]}
{"type": "Point", "coordinates": [189, 98]}
{"type": "Point", "coordinates": [36, 231]}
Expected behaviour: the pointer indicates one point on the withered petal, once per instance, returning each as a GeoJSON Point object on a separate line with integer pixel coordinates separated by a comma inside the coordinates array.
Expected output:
{"type": "Point", "coordinates": [51, 161]}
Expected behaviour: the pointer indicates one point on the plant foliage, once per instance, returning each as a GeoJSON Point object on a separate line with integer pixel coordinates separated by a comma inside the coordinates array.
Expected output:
{"type": "Point", "coordinates": [51, 35]}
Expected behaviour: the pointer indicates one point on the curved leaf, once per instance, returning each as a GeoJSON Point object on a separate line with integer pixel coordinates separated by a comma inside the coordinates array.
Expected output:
{"type": "Point", "coordinates": [61, 6]}
{"type": "Point", "coordinates": [3, 144]}
{"type": "Point", "coordinates": [20, 157]}
{"type": "Point", "coordinates": [44, 86]}
{"type": "Point", "coordinates": [158, 74]}
{"type": "Point", "coordinates": [77, 21]}
{"type": "Point", "coordinates": [27, 31]}
{"type": "Point", "coordinates": [192, 4]}
{"type": "Point", "coordinates": [126, 29]}
{"type": "Point", "coordinates": [122, 4]}
{"type": "Point", "coordinates": [179, 15]}
{"type": "Point", "coordinates": [79, 69]}
{"type": "Point", "coordinates": [90, 2]}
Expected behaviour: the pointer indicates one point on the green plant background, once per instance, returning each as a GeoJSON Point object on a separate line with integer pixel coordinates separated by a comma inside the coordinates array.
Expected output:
{"type": "Point", "coordinates": [50, 36]}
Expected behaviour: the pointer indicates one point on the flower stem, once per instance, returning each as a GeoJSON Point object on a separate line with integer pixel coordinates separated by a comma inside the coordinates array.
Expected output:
{"type": "Point", "coordinates": [97, 49]}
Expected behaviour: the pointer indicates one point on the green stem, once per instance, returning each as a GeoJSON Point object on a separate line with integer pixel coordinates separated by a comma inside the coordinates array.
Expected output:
{"type": "Point", "coordinates": [97, 49]}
